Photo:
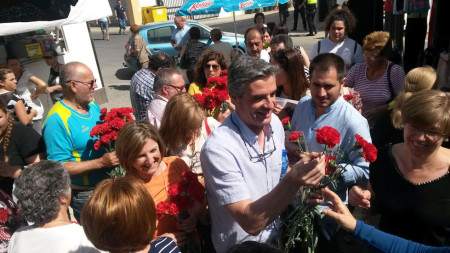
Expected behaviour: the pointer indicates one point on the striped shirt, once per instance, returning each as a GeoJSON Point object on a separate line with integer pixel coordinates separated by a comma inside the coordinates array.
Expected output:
{"type": "Point", "coordinates": [163, 245]}
{"type": "Point", "coordinates": [374, 93]}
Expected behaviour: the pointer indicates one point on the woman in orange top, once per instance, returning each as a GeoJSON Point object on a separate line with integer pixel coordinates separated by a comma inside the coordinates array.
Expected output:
{"type": "Point", "coordinates": [141, 152]}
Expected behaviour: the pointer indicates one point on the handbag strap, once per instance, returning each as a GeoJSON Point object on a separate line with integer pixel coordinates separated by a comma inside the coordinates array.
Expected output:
{"type": "Point", "coordinates": [391, 89]}
{"type": "Point", "coordinates": [208, 130]}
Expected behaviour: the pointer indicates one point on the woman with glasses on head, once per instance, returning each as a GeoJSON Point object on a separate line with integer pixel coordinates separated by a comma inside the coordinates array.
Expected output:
{"type": "Point", "coordinates": [410, 181]}
{"type": "Point", "coordinates": [54, 88]}
{"type": "Point", "coordinates": [377, 79]}
{"type": "Point", "coordinates": [29, 87]}
{"type": "Point", "coordinates": [142, 153]}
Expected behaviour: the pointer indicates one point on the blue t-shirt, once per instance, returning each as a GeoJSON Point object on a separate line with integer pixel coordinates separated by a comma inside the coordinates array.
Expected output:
{"type": "Point", "coordinates": [66, 134]}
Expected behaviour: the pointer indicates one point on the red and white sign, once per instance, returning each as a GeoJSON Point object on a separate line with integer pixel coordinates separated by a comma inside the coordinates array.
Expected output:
{"type": "Point", "coordinates": [246, 4]}
{"type": "Point", "coordinates": [201, 5]}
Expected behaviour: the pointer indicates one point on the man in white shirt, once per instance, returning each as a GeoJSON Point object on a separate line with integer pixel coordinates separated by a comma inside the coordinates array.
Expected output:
{"type": "Point", "coordinates": [180, 34]}
{"type": "Point", "coordinates": [168, 82]}
{"type": "Point", "coordinates": [254, 43]}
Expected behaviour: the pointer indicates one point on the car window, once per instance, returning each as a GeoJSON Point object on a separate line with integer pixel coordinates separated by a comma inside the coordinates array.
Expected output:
{"type": "Point", "coordinates": [204, 34]}
{"type": "Point", "coordinates": [160, 35]}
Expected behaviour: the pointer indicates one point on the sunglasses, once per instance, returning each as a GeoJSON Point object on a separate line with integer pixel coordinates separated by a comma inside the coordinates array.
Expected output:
{"type": "Point", "coordinates": [214, 66]}
{"type": "Point", "coordinates": [179, 89]}
{"type": "Point", "coordinates": [90, 84]}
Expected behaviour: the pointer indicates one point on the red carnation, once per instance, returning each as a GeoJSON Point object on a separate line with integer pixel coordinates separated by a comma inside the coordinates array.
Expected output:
{"type": "Point", "coordinates": [370, 152]}
{"type": "Point", "coordinates": [173, 209]}
{"type": "Point", "coordinates": [197, 192]}
{"type": "Point", "coordinates": [285, 120]}
{"type": "Point", "coordinates": [224, 72]}
{"type": "Point", "coordinates": [173, 191]}
{"type": "Point", "coordinates": [328, 136]}
{"type": "Point", "coordinates": [183, 202]}
{"type": "Point", "coordinates": [190, 176]}
{"type": "Point", "coordinates": [162, 208]}
{"type": "Point", "coordinates": [3, 216]}
{"type": "Point", "coordinates": [294, 136]}
{"type": "Point", "coordinates": [348, 97]}
{"type": "Point", "coordinates": [97, 144]}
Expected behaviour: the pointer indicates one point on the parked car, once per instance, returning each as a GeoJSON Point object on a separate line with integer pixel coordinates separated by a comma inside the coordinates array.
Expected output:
{"type": "Point", "coordinates": [158, 35]}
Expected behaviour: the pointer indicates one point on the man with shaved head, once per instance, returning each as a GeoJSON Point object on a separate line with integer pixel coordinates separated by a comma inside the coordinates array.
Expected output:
{"type": "Point", "coordinates": [66, 133]}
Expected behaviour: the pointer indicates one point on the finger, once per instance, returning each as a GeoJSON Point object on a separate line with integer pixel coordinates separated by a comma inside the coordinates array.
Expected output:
{"type": "Point", "coordinates": [330, 195]}
{"type": "Point", "coordinates": [331, 214]}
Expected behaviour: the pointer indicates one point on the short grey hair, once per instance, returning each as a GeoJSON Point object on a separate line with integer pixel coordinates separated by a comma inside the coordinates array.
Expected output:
{"type": "Point", "coordinates": [181, 18]}
{"type": "Point", "coordinates": [38, 190]}
{"type": "Point", "coordinates": [161, 60]}
{"type": "Point", "coordinates": [246, 70]}
{"type": "Point", "coordinates": [163, 77]}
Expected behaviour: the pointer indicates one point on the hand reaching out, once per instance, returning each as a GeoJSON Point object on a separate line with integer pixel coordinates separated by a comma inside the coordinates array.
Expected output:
{"type": "Point", "coordinates": [339, 211]}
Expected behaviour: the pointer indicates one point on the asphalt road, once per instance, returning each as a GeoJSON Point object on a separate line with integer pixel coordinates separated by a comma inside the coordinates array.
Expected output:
{"type": "Point", "coordinates": [117, 78]}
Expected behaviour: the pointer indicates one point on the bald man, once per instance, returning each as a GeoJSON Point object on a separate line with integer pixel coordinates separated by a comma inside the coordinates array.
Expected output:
{"type": "Point", "coordinates": [66, 133]}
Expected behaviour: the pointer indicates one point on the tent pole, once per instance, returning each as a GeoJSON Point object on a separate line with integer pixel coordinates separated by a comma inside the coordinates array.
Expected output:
{"type": "Point", "coordinates": [235, 30]}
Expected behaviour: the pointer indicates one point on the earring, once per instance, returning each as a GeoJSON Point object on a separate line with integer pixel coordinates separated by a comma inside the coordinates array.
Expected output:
{"type": "Point", "coordinates": [446, 139]}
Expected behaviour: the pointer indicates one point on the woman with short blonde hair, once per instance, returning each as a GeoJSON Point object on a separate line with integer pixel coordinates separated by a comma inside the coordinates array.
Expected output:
{"type": "Point", "coordinates": [120, 216]}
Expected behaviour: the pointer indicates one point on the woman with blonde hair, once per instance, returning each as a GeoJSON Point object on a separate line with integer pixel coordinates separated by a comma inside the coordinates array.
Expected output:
{"type": "Point", "coordinates": [388, 128]}
{"type": "Point", "coordinates": [120, 216]}
{"type": "Point", "coordinates": [409, 181]}
{"type": "Point", "coordinates": [377, 79]}
{"type": "Point", "coordinates": [184, 129]}
{"type": "Point", "coordinates": [142, 153]}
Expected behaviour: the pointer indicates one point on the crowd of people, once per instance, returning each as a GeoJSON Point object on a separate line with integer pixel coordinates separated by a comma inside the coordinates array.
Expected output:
{"type": "Point", "coordinates": [226, 166]}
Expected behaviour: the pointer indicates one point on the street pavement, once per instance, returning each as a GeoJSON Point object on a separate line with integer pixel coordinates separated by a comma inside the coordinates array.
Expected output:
{"type": "Point", "coordinates": [117, 78]}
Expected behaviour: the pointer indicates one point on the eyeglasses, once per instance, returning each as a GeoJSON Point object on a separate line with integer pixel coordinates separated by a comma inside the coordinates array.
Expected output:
{"type": "Point", "coordinates": [90, 83]}
{"type": "Point", "coordinates": [430, 134]}
{"type": "Point", "coordinates": [214, 66]}
{"type": "Point", "coordinates": [179, 89]}
{"type": "Point", "coordinates": [258, 157]}
{"type": "Point", "coordinates": [47, 57]}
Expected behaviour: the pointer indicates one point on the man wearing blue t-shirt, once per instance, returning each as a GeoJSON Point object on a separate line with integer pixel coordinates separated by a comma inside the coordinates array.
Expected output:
{"type": "Point", "coordinates": [180, 35]}
{"type": "Point", "coordinates": [66, 133]}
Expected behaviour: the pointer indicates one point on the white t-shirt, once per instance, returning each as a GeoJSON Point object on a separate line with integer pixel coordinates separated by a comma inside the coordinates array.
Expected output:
{"type": "Point", "coordinates": [67, 238]}
{"type": "Point", "coordinates": [25, 88]}
{"type": "Point", "coordinates": [345, 49]}
{"type": "Point", "coordinates": [264, 55]}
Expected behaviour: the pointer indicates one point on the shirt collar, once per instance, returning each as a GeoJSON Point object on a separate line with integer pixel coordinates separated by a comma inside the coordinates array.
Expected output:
{"type": "Point", "coordinates": [247, 134]}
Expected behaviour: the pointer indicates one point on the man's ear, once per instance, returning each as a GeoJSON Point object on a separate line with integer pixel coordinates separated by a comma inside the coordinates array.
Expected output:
{"type": "Point", "coordinates": [73, 86]}
{"type": "Point", "coordinates": [164, 90]}
{"type": "Point", "coordinates": [343, 81]}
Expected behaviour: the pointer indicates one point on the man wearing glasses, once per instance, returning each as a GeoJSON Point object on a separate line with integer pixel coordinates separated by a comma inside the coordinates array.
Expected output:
{"type": "Point", "coordinates": [168, 82]}
{"type": "Point", "coordinates": [66, 133]}
{"type": "Point", "coordinates": [326, 107]}
{"type": "Point", "coordinates": [241, 161]}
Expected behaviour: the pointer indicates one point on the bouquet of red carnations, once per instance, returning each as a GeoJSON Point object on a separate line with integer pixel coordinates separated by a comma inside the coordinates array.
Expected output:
{"type": "Point", "coordinates": [107, 129]}
{"type": "Point", "coordinates": [181, 198]}
{"type": "Point", "coordinates": [298, 226]}
{"type": "Point", "coordinates": [216, 98]}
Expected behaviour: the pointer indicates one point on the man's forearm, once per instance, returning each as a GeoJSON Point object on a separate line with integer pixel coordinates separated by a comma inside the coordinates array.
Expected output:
{"type": "Point", "coordinates": [80, 168]}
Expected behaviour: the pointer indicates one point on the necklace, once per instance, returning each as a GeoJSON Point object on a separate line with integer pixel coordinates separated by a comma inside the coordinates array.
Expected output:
{"type": "Point", "coordinates": [164, 181]}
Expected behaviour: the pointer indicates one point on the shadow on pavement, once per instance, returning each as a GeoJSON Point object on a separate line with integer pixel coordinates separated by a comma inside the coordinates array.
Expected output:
{"type": "Point", "coordinates": [120, 87]}
{"type": "Point", "coordinates": [124, 74]}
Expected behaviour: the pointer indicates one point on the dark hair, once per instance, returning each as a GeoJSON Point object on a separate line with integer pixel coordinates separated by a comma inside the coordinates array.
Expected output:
{"type": "Point", "coordinates": [38, 190]}
{"type": "Point", "coordinates": [292, 63]}
{"type": "Point", "coordinates": [194, 33]}
{"type": "Point", "coordinates": [280, 28]}
{"type": "Point", "coordinates": [325, 61]}
{"type": "Point", "coordinates": [3, 72]}
{"type": "Point", "coordinates": [216, 34]}
{"type": "Point", "coordinates": [256, 29]}
{"type": "Point", "coordinates": [53, 51]}
{"type": "Point", "coordinates": [12, 57]}
{"type": "Point", "coordinates": [8, 131]}
{"type": "Point", "coordinates": [207, 55]}
{"type": "Point", "coordinates": [258, 15]}
{"type": "Point", "coordinates": [161, 60]}
{"type": "Point", "coordinates": [344, 15]}
{"type": "Point", "coordinates": [271, 27]}
{"type": "Point", "coordinates": [265, 29]}
{"type": "Point", "coordinates": [283, 38]}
